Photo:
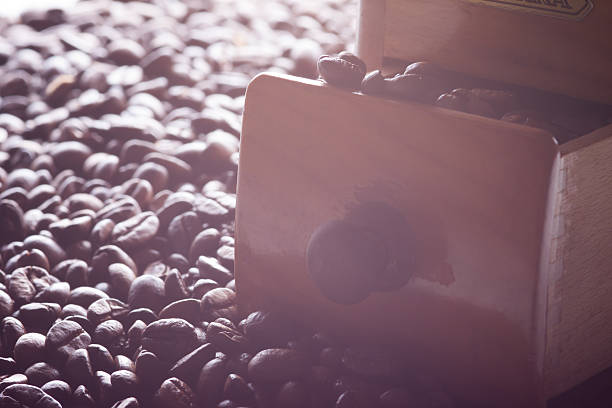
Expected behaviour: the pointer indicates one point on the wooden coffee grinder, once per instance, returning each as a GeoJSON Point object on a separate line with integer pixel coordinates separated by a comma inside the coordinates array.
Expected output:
{"type": "Point", "coordinates": [509, 299]}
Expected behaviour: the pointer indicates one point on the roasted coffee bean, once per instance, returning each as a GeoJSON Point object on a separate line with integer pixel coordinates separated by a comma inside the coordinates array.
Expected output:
{"type": "Point", "coordinates": [169, 339]}
{"type": "Point", "coordinates": [187, 309]}
{"type": "Point", "coordinates": [73, 271]}
{"type": "Point", "coordinates": [25, 395]}
{"type": "Point", "coordinates": [109, 333]}
{"type": "Point", "coordinates": [124, 363]}
{"type": "Point", "coordinates": [150, 369]}
{"type": "Point", "coordinates": [100, 358]}
{"type": "Point", "coordinates": [11, 217]}
{"type": "Point", "coordinates": [210, 211]}
{"type": "Point", "coordinates": [120, 278]}
{"type": "Point", "coordinates": [373, 83]}
{"type": "Point", "coordinates": [81, 397]}
{"type": "Point", "coordinates": [23, 283]}
{"type": "Point", "coordinates": [35, 257]}
{"type": "Point", "coordinates": [293, 394]}
{"type": "Point", "coordinates": [64, 338]}
{"type": "Point", "coordinates": [205, 243]}
{"type": "Point", "coordinates": [39, 315]}
{"type": "Point", "coordinates": [59, 390]}
{"type": "Point", "coordinates": [130, 402]}
{"type": "Point", "coordinates": [211, 381]}
{"type": "Point", "coordinates": [188, 367]}
{"type": "Point", "coordinates": [210, 268]}
{"type": "Point", "coordinates": [144, 314]}
{"type": "Point", "coordinates": [219, 302]}
{"type": "Point", "coordinates": [147, 291]}
{"type": "Point", "coordinates": [226, 338]}
{"type": "Point", "coordinates": [7, 304]}
{"type": "Point", "coordinates": [174, 285]}
{"type": "Point", "coordinates": [85, 295]}
{"type": "Point", "coordinates": [105, 256]}
{"type": "Point", "coordinates": [28, 349]}
{"type": "Point", "coordinates": [55, 293]}
{"type": "Point", "coordinates": [346, 71]}
{"type": "Point", "coordinates": [174, 393]}
{"type": "Point", "coordinates": [267, 328]}
{"type": "Point", "coordinates": [11, 380]}
{"type": "Point", "coordinates": [135, 231]}
{"type": "Point", "coordinates": [277, 365]}
{"type": "Point", "coordinates": [106, 309]}
{"type": "Point", "coordinates": [40, 373]}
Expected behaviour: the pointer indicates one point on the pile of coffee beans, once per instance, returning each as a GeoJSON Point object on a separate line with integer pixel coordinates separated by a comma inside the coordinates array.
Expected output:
{"type": "Point", "coordinates": [119, 130]}
{"type": "Point", "coordinates": [119, 133]}
{"type": "Point", "coordinates": [565, 118]}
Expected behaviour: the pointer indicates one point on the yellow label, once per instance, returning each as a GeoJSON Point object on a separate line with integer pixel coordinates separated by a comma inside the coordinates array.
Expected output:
{"type": "Point", "coordinates": [569, 9]}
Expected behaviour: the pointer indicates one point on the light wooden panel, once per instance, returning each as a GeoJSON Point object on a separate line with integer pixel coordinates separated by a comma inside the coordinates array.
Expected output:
{"type": "Point", "coordinates": [579, 333]}
{"type": "Point", "coordinates": [474, 190]}
{"type": "Point", "coordinates": [570, 57]}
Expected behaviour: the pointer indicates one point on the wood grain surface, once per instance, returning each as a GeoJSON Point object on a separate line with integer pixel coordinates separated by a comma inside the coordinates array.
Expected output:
{"type": "Point", "coordinates": [474, 191]}
{"type": "Point", "coordinates": [579, 333]}
{"type": "Point", "coordinates": [563, 56]}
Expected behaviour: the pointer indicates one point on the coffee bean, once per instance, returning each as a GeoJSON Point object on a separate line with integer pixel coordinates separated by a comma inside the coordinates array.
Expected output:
{"type": "Point", "coordinates": [25, 395]}
{"type": "Point", "coordinates": [34, 257]}
{"type": "Point", "coordinates": [293, 394]}
{"type": "Point", "coordinates": [130, 402]}
{"type": "Point", "coordinates": [81, 397]}
{"type": "Point", "coordinates": [51, 249]}
{"type": "Point", "coordinates": [187, 309]}
{"type": "Point", "coordinates": [40, 373]}
{"type": "Point", "coordinates": [63, 338]}
{"type": "Point", "coordinates": [55, 293]}
{"type": "Point", "coordinates": [125, 383]}
{"type": "Point", "coordinates": [226, 338]}
{"type": "Point", "coordinates": [106, 309]}
{"type": "Point", "coordinates": [147, 291]}
{"type": "Point", "coordinates": [73, 271]}
{"type": "Point", "coordinates": [219, 302]}
{"type": "Point", "coordinates": [211, 381]}
{"type": "Point", "coordinates": [267, 328]}
{"type": "Point", "coordinates": [59, 390]}
{"type": "Point", "coordinates": [174, 286]}
{"type": "Point", "coordinates": [85, 295]}
{"type": "Point", "coordinates": [124, 363]}
{"type": "Point", "coordinates": [7, 304]}
{"type": "Point", "coordinates": [7, 381]}
{"type": "Point", "coordinates": [205, 243]}
{"type": "Point", "coordinates": [119, 210]}
{"type": "Point", "coordinates": [39, 315]}
{"type": "Point", "coordinates": [174, 393]}
{"type": "Point", "coordinates": [188, 367]}
{"type": "Point", "coordinates": [210, 268]}
{"type": "Point", "coordinates": [373, 83]}
{"type": "Point", "coordinates": [104, 257]}
{"type": "Point", "coordinates": [109, 333]}
{"type": "Point", "coordinates": [345, 72]}
{"type": "Point", "coordinates": [23, 283]}
{"type": "Point", "coordinates": [277, 365]}
{"type": "Point", "coordinates": [135, 231]}
{"type": "Point", "coordinates": [169, 339]}
{"type": "Point", "coordinates": [150, 370]}
{"type": "Point", "coordinates": [11, 217]}
{"type": "Point", "coordinates": [121, 277]}
{"type": "Point", "coordinates": [28, 349]}
{"type": "Point", "coordinates": [70, 155]}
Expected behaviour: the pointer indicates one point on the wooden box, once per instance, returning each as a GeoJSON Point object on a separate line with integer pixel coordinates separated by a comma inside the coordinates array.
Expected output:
{"type": "Point", "coordinates": [510, 301]}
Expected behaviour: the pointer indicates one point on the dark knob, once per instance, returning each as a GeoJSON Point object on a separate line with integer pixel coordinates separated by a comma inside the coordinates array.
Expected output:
{"type": "Point", "coordinates": [371, 249]}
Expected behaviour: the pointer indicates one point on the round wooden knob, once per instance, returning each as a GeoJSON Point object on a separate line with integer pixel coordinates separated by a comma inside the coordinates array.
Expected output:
{"type": "Point", "coordinates": [371, 249]}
